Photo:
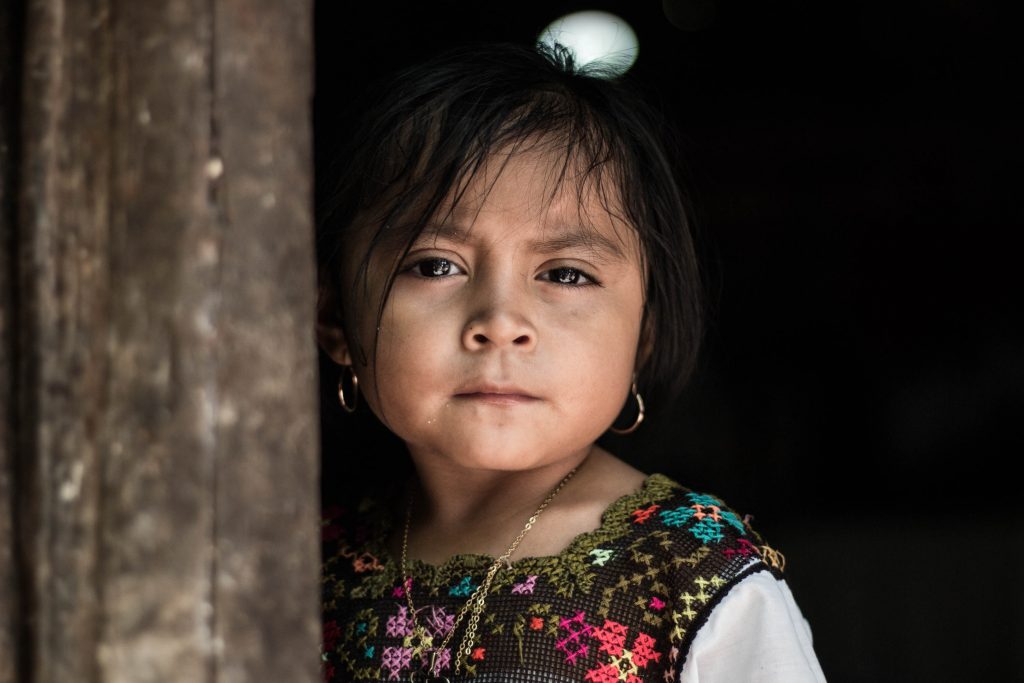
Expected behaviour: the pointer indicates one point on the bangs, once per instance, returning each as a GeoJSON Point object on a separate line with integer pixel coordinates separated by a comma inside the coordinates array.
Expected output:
{"type": "Point", "coordinates": [420, 175]}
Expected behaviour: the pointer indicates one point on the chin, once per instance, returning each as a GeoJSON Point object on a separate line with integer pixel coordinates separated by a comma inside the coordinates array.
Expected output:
{"type": "Point", "coordinates": [507, 458]}
{"type": "Point", "coordinates": [510, 447]}
{"type": "Point", "coordinates": [500, 452]}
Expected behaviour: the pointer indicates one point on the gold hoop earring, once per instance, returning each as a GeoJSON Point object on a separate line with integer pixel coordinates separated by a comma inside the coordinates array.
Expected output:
{"type": "Point", "coordinates": [639, 416]}
{"type": "Point", "coordinates": [355, 389]}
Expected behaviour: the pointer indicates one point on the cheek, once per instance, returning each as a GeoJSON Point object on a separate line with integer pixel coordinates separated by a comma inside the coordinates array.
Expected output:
{"type": "Point", "coordinates": [413, 350]}
{"type": "Point", "coordinates": [597, 356]}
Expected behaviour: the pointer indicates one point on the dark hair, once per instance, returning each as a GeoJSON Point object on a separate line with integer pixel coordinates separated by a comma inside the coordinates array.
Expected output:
{"type": "Point", "coordinates": [435, 125]}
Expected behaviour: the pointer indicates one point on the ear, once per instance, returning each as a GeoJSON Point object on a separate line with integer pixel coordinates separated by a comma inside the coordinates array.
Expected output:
{"type": "Point", "coordinates": [330, 333]}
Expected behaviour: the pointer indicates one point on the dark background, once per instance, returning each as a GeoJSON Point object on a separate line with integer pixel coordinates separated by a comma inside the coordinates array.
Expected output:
{"type": "Point", "coordinates": [855, 171]}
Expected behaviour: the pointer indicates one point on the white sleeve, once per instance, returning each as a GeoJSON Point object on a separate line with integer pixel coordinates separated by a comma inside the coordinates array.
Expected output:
{"type": "Point", "coordinates": [756, 634]}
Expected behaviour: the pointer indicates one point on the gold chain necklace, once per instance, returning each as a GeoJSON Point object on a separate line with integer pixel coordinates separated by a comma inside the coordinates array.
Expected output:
{"type": "Point", "coordinates": [421, 641]}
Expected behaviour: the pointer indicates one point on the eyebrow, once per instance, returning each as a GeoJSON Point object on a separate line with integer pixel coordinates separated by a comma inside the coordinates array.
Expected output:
{"type": "Point", "coordinates": [564, 240]}
{"type": "Point", "coordinates": [576, 238]}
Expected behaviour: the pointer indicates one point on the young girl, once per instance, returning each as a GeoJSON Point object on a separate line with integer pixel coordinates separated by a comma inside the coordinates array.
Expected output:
{"type": "Point", "coordinates": [506, 267]}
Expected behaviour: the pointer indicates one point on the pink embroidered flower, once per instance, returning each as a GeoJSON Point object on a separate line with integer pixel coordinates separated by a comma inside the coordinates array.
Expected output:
{"type": "Point", "coordinates": [574, 644]}
{"type": "Point", "coordinates": [399, 625]}
{"type": "Point", "coordinates": [526, 587]}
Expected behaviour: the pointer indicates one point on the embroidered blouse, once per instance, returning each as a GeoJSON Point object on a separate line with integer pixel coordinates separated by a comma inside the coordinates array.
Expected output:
{"type": "Point", "coordinates": [641, 598]}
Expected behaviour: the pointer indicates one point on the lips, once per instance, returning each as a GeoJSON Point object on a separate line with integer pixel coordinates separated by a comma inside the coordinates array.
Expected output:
{"type": "Point", "coordinates": [496, 394]}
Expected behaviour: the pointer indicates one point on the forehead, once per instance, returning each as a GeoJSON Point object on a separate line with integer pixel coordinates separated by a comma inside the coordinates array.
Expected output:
{"type": "Point", "coordinates": [562, 194]}
{"type": "Point", "coordinates": [539, 190]}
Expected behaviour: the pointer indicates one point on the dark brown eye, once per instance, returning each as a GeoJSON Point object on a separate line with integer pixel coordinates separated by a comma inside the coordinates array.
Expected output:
{"type": "Point", "coordinates": [567, 276]}
{"type": "Point", "coordinates": [434, 267]}
{"type": "Point", "coordinates": [570, 277]}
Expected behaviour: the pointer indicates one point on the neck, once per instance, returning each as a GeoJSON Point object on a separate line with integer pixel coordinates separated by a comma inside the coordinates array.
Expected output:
{"type": "Point", "coordinates": [453, 496]}
{"type": "Point", "coordinates": [456, 510]}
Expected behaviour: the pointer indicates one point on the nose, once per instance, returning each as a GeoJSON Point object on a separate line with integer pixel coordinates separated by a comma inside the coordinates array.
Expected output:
{"type": "Point", "coordinates": [499, 330]}
{"type": "Point", "coordinates": [499, 325]}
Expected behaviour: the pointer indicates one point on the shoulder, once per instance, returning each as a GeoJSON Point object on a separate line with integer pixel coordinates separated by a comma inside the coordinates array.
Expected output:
{"type": "Point", "coordinates": [707, 547]}
{"type": "Point", "coordinates": [703, 525]}
{"type": "Point", "coordinates": [734, 617]}
{"type": "Point", "coordinates": [757, 634]}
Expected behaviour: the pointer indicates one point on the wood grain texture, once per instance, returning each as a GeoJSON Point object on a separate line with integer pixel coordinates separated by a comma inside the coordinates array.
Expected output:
{"type": "Point", "coordinates": [10, 607]}
{"type": "Point", "coordinates": [159, 427]}
{"type": "Point", "coordinates": [61, 360]}
{"type": "Point", "coordinates": [269, 394]}
{"type": "Point", "coordinates": [168, 403]}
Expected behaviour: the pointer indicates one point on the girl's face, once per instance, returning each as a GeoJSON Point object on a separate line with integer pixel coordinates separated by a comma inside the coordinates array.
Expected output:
{"type": "Point", "coordinates": [510, 336]}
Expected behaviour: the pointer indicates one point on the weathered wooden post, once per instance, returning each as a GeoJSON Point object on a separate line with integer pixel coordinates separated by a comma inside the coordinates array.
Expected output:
{"type": "Point", "coordinates": [165, 441]}
{"type": "Point", "coordinates": [9, 591]}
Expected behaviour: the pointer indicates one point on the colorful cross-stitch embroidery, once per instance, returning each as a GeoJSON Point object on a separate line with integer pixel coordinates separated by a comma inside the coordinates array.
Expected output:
{"type": "Point", "coordinates": [621, 603]}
